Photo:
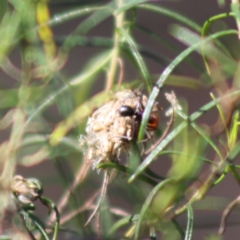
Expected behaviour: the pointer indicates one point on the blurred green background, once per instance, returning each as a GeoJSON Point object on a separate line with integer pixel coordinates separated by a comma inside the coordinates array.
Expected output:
{"type": "Point", "coordinates": [60, 60]}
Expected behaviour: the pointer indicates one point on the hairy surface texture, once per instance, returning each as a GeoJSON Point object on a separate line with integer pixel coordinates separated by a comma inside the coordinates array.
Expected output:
{"type": "Point", "coordinates": [108, 132]}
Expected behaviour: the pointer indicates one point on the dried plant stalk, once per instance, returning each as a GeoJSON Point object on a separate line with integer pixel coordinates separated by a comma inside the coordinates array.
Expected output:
{"type": "Point", "coordinates": [108, 132]}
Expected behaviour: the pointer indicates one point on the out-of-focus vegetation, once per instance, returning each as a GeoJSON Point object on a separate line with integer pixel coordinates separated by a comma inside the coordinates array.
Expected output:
{"type": "Point", "coordinates": [44, 108]}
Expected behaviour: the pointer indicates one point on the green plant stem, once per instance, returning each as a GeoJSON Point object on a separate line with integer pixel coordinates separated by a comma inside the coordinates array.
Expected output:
{"type": "Point", "coordinates": [147, 204]}
{"type": "Point", "coordinates": [138, 58]}
{"type": "Point", "coordinates": [171, 14]}
{"type": "Point", "coordinates": [235, 8]}
{"type": "Point", "coordinates": [10, 148]}
{"type": "Point", "coordinates": [38, 224]}
{"type": "Point", "coordinates": [208, 23]}
{"type": "Point", "coordinates": [111, 165]}
{"type": "Point", "coordinates": [178, 228]}
{"type": "Point", "coordinates": [189, 230]}
{"type": "Point", "coordinates": [150, 158]}
{"type": "Point", "coordinates": [205, 32]}
{"type": "Point", "coordinates": [52, 206]}
{"type": "Point", "coordinates": [119, 19]}
{"type": "Point", "coordinates": [119, 224]}
{"type": "Point", "coordinates": [72, 14]}
{"type": "Point", "coordinates": [235, 173]}
{"type": "Point", "coordinates": [167, 71]}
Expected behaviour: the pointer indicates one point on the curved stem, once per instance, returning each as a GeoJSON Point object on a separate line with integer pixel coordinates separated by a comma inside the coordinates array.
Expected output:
{"type": "Point", "coordinates": [52, 206]}
{"type": "Point", "coordinates": [205, 33]}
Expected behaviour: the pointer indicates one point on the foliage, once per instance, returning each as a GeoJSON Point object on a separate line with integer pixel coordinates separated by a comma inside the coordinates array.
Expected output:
{"type": "Point", "coordinates": [44, 107]}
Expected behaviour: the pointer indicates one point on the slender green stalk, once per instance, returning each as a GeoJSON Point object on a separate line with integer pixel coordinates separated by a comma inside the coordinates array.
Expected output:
{"type": "Point", "coordinates": [52, 206]}
{"type": "Point", "coordinates": [205, 33]}
{"type": "Point", "coordinates": [142, 66]}
{"type": "Point", "coordinates": [146, 206]}
{"type": "Point", "coordinates": [172, 14]}
{"type": "Point", "coordinates": [189, 230]}
{"type": "Point", "coordinates": [150, 158]}
{"type": "Point", "coordinates": [119, 20]}
{"type": "Point", "coordinates": [167, 71]}
{"type": "Point", "coordinates": [235, 8]}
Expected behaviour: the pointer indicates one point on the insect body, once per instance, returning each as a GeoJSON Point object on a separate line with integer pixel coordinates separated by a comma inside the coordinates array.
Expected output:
{"type": "Point", "coordinates": [125, 111]}
{"type": "Point", "coordinates": [152, 122]}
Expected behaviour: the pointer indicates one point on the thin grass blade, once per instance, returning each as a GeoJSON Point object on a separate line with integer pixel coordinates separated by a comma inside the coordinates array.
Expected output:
{"type": "Point", "coordinates": [168, 70]}
{"type": "Point", "coordinates": [171, 14]}
{"type": "Point", "coordinates": [174, 133]}
{"type": "Point", "coordinates": [189, 230]}
{"type": "Point", "coordinates": [146, 205]}
{"type": "Point", "coordinates": [119, 224]}
{"type": "Point", "coordinates": [128, 5]}
{"type": "Point", "coordinates": [72, 14]}
{"type": "Point", "coordinates": [99, 63]}
{"type": "Point", "coordinates": [138, 58]}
